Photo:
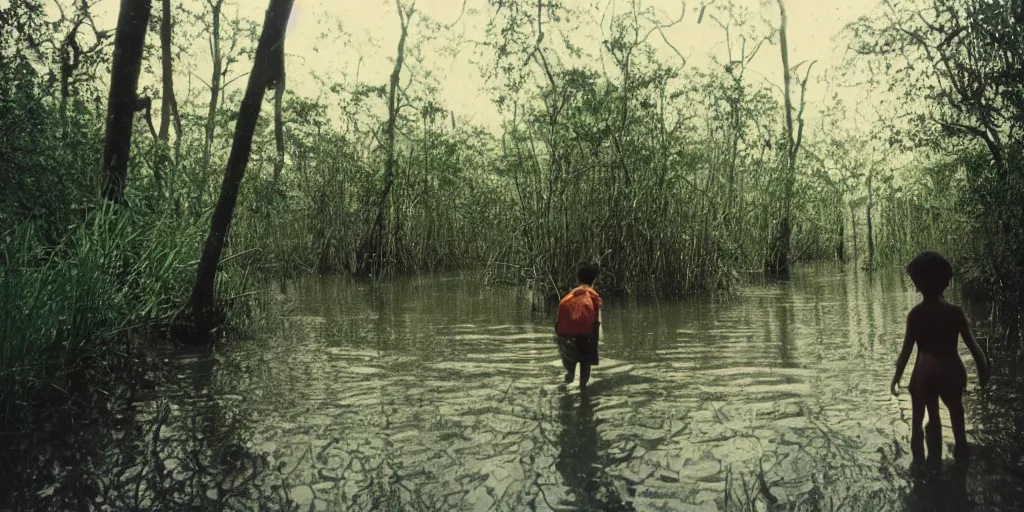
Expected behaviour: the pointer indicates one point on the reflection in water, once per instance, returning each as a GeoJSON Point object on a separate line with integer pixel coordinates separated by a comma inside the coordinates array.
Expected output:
{"type": "Point", "coordinates": [579, 457]}
{"type": "Point", "coordinates": [786, 356]}
{"type": "Point", "coordinates": [945, 491]}
{"type": "Point", "coordinates": [440, 394]}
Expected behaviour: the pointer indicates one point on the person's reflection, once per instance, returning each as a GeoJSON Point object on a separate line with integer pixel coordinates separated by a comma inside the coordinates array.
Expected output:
{"type": "Point", "coordinates": [579, 462]}
{"type": "Point", "coordinates": [958, 480]}
{"type": "Point", "coordinates": [941, 492]}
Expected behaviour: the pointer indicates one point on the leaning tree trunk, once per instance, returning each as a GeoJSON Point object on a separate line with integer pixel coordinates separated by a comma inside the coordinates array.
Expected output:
{"type": "Point", "coordinates": [124, 79]}
{"type": "Point", "coordinates": [266, 72]}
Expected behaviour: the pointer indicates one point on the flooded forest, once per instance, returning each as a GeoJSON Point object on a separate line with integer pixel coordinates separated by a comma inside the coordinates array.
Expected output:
{"type": "Point", "coordinates": [308, 255]}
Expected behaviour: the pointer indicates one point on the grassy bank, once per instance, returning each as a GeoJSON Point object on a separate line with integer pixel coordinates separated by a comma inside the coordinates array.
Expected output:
{"type": "Point", "coordinates": [111, 279]}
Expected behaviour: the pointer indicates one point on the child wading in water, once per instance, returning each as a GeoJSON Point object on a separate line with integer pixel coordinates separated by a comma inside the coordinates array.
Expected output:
{"type": "Point", "coordinates": [935, 326]}
{"type": "Point", "coordinates": [578, 326]}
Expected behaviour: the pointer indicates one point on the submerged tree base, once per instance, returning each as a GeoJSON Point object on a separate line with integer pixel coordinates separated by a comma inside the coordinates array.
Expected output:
{"type": "Point", "coordinates": [778, 262]}
{"type": "Point", "coordinates": [189, 331]}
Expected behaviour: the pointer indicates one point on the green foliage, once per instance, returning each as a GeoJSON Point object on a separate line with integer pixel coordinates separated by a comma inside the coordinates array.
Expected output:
{"type": "Point", "coordinates": [39, 145]}
{"type": "Point", "coordinates": [37, 148]}
{"type": "Point", "coordinates": [78, 281]}
{"type": "Point", "coordinates": [111, 277]}
{"type": "Point", "coordinates": [671, 182]}
{"type": "Point", "coordinates": [956, 67]}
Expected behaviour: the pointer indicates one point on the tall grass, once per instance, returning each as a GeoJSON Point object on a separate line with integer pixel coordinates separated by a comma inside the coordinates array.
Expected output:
{"type": "Point", "coordinates": [68, 307]}
{"type": "Point", "coordinates": [447, 205]}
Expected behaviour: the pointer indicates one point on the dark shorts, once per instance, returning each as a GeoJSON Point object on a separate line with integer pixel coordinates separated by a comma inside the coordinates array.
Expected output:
{"type": "Point", "coordinates": [938, 377]}
{"type": "Point", "coordinates": [578, 349]}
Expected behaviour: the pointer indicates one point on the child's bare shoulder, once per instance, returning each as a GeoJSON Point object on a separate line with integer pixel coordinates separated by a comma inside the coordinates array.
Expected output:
{"type": "Point", "coordinates": [956, 313]}
{"type": "Point", "coordinates": [915, 312]}
{"type": "Point", "coordinates": [948, 308]}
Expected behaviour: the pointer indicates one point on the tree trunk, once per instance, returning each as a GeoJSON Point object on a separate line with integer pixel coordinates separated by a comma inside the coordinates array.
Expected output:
{"type": "Point", "coordinates": [265, 74]}
{"type": "Point", "coordinates": [870, 231]}
{"type": "Point", "coordinates": [67, 68]}
{"type": "Point", "coordinates": [737, 134]}
{"type": "Point", "coordinates": [853, 235]}
{"type": "Point", "coordinates": [170, 104]}
{"type": "Point", "coordinates": [279, 127]}
{"type": "Point", "coordinates": [374, 245]}
{"type": "Point", "coordinates": [841, 245]}
{"type": "Point", "coordinates": [778, 259]}
{"type": "Point", "coordinates": [128, 43]}
{"type": "Point", "coordinates": [211, 115]}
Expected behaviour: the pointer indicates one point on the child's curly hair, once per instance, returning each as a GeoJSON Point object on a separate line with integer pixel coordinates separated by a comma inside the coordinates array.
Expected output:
{"type": "Point", "coordinates": [587, 273]}
{"type": "Point", "coordinates": [931, 273]}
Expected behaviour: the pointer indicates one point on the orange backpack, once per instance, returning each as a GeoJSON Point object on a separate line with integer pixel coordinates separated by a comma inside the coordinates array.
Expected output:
{"type": "Point", "coordinates": [577, 312]}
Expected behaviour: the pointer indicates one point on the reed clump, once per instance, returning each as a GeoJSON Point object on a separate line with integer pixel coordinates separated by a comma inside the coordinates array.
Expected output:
{"type": "Point", "coordinates": [67, 308]}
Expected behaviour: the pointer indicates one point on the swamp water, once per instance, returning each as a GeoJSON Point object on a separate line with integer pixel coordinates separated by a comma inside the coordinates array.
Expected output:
{"type": "Point", "coordinates": [442, 394]}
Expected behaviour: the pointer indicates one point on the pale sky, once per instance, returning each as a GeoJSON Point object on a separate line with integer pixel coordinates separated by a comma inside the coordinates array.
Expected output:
{"type": "Point", "coordinates": [328, 37]}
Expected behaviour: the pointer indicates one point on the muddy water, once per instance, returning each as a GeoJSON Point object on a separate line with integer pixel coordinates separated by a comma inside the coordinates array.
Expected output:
{"type": "Point", "coordinates": [441, 394]}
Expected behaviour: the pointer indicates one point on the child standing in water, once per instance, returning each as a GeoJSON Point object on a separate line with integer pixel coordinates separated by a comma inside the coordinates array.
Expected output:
{"type": "Point", "coordinates": [935, 326]}
{"type": "Point", "coordinates": [579, 325]}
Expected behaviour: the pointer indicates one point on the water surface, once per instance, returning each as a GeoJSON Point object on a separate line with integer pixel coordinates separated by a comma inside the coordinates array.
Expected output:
{"type": "Point", "coordinates": [442, 394]}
